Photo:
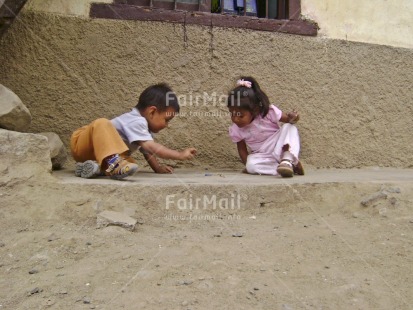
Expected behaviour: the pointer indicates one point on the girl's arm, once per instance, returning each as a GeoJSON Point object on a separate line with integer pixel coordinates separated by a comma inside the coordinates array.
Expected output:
{"type": "Point", "coordinates": [291, 117]}
{"type": "Point", "coordinates": [242, 151]}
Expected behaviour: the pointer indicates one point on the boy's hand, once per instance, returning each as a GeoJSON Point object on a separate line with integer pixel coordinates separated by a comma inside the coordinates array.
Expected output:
{"type": "Point", "coordinates": [164, 169]}
{"type": "Point", "coordinates": [188, 153]}
{"type": "Point", "coordinates": [293, 117]}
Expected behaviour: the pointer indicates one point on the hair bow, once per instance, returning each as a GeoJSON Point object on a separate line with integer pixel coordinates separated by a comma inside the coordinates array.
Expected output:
{"type": "Point", "coordinates": [246, 84]}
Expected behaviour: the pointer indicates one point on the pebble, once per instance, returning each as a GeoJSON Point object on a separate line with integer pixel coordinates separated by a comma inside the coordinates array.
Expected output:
{"type": "Point", "coordinates": [238, 235]}
{"type": "Point", "coordinates": [52, 237]}
{"type": "Point", "coordinates": [372, 199]}
{"type": "Point", "coordinates": [185, 282]}
{"type": "Point", "coordinates": [86, 300]}
{"type": "Point", "coordinates": [33, 271]}
{"type": "Point", "coordinates": [2, 244]}
{"type": "Point", "coordinates": [36, 290]}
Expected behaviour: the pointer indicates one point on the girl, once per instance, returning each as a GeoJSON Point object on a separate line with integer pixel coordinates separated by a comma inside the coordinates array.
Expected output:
{"type": "Point", "coordinates": [256, 124]}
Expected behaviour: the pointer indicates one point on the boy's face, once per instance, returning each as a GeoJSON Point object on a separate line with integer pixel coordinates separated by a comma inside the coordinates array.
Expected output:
{"type": "Point", "coordinates": [240, 117]}
{"type": "Point", "coordinates": [158, 120]}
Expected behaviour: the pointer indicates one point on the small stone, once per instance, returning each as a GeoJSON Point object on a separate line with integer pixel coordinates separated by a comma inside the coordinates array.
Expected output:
{"type": "Point", "coordinates": [238, 235]}
{"type": "Point", "coordinates": [36, 290]}
{"type": "Point", "coordinates": [86, 300]}
{"type": "Point", "coordinates": [2, 244]}
{"type": "Point", "coordinates": [107, 218]}
{"type": "Point", "coordinates": [88, 243]}
{"type": "Point", "coordinates": [256, 289]}
{"type": "Point", "coordinates": [126, 257]}
{"type": "Point", "coordinates": [33, 271]}
{"type": "Point", "coordinates": [51, 238]}
{"type": "Point", "coordinates": [185, 303]}
{"type": "Point", "coordinates": [355, 215]}
{"type": "Point", "coordinates": [185, 282]}
{"type": "Point", "coordinates": [372, 199]}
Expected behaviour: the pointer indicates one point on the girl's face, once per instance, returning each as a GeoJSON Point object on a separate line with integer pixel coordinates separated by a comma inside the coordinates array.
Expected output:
{"type": "Point", "coordinates": [240, 117]}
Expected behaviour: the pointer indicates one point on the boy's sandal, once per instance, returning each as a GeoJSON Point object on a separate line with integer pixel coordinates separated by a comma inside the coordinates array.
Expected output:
{"type": "Point", "coordinates": [120, 168]}
{"type": "Point", "coordinates": [298, 169]}
{"type": "Point", "coordinates": [88, 169]}
{"type": "Point", "coordinates": [285, 169]}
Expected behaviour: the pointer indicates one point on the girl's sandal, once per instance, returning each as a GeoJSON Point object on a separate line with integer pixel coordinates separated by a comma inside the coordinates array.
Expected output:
{"type": "Point", "coordinates": [298, 169]}
{"type": "Point", "coordinates": [285, 169]}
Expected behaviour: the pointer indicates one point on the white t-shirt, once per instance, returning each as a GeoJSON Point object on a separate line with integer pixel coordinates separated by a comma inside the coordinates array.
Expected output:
{"type": "Point", "coordinates": [132, 127]}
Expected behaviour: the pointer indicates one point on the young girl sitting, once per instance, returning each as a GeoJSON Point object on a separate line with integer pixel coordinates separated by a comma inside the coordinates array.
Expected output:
{"type": "Point", "coordinates": [104, 146]}
{"type": "Point", "coordinates": [274, 148]}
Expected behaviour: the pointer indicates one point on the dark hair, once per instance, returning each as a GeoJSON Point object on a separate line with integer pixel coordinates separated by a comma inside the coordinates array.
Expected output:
{"type": "Point", "coordinates": [160, 95]}
{"type": "Point", "coordinates": [252, 99]}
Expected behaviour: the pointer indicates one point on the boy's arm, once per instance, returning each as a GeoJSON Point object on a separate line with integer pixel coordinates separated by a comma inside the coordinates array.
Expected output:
{"type": "Point", "coordinates": [154, 164]}
{"type": "Point", "coordinates": [242, 151]}
{"type": "Point", "coordinates": [163, 152]}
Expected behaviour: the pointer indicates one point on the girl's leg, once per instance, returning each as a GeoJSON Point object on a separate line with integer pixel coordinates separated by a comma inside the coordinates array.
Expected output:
{"type": "Point", "coordinates": [286, 151]}
{"type": "Point", "coordinates": [288, 144]}
{"type": "Point", "coordinates": [260, 163]}
{"type": "Point", "coordinates": [96, 141]}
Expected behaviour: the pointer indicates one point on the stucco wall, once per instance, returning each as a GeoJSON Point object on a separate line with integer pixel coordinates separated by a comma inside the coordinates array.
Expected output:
{"type": "Point", "coordinates": [381, 21]}
{"type": "Point", "coordinates": [63, 7]}
{"type": "Point", "coordinates": [355, 99]}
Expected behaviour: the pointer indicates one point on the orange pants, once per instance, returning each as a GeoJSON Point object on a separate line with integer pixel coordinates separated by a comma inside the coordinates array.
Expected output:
{"type": "Point", "coordinates": [96, 141]}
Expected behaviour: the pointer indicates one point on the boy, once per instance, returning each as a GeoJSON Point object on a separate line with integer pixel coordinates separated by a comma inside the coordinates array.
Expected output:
{"type": "Point", "coordinates": [110, 142]}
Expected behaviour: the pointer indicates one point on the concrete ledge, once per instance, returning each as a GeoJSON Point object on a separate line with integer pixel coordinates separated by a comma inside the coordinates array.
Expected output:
{"type": "Point", "coordinates": [220, 178]}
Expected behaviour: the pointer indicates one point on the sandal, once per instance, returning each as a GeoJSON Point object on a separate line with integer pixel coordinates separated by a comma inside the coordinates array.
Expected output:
{"type": "Point", "coordinates": [285, 169]}
{"type": "Point", "coordinates": [298, 169]}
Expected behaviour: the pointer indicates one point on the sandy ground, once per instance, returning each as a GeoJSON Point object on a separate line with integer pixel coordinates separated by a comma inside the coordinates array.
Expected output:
{"type": "Point", "coordinates": [320, 249]}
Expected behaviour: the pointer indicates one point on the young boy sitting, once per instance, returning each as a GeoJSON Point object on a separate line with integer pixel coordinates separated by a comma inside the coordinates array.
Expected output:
{"type": "Point", "coordinates": [104, 146]}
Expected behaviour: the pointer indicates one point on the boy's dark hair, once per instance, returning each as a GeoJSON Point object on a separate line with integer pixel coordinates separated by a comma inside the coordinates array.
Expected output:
{"type": "Point", "coordinates": [251, 99]}
{"type": "Point", "coordinates": [159, 95]}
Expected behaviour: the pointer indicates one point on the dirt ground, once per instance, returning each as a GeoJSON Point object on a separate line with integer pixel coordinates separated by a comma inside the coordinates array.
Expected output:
{"type": "Point", "coordinates": [320, 250]}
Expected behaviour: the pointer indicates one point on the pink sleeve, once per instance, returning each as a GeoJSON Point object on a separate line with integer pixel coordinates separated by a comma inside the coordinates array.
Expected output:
{"type": "Point", "coordinates": [274, 114]}
{"type": "Point", "coordinates": [235, 134]}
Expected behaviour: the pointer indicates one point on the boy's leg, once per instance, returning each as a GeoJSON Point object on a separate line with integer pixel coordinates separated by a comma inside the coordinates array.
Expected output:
{"type": "Point", "coordinates": [96, 141]}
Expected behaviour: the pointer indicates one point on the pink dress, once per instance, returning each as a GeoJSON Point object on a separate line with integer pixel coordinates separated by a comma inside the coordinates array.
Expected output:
{"type": "Point", "coordinates": [265, 137]}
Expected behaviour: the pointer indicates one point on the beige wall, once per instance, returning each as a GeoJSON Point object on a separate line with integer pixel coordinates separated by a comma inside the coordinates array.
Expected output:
{"type": "Point", "coordinates": [66, 7]}
{"type": "Point", "coordinates": [380, 21]}
{"type": "Point", "coordinates": [355, 99]}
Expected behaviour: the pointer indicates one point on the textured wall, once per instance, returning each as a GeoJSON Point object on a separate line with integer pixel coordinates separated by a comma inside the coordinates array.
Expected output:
{"type": "Point", "coordinates": [355, 99]}
{"type": "Point", "coordinates": [380, 22]}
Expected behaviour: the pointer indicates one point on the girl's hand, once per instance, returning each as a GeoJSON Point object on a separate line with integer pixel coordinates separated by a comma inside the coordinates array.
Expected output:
{"type": "Point", "coordinates": [293, 117]}
{"type": "Point", "coordinates": [164, 169]}
{"type": "Point", "coordinates": [188, 153]}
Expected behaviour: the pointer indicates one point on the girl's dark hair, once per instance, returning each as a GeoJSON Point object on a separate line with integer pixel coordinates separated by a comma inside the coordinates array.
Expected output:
{"type": "Point", "coordinates": [252, 99]}
{"type": "Point", "coordinates": [160, 95]}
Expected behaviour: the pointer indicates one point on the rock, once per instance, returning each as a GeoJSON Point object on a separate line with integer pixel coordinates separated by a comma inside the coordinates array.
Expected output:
{"type": "Point", "coordinates": [58, 152]}
{"type": "Point", "coordinates": [23, 156]}
{"type": "Point", "coordinates": [372, 199]}
{"type": "Point", "coordinates": [36, 290]}
{"type": "Point", "coordinates": [107, 218]}
{"type": "Point", "coordinates": [238, 235]}
{"type": "Point", "coordinates": [14, 115]}
{"type": "Point", "coordinates": [33, 271]}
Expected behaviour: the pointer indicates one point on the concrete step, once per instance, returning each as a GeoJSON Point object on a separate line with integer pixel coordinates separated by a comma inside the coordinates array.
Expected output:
{"type": "Point", "coordinates": [224, 193]}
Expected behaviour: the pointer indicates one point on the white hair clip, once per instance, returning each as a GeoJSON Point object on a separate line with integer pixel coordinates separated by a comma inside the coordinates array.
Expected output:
{"type": "Point", "coordinates": [246, 84]}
